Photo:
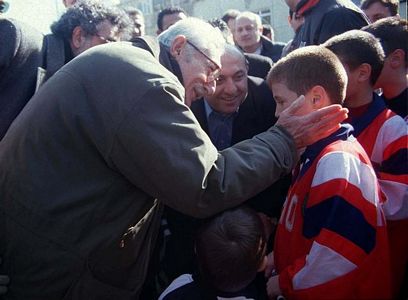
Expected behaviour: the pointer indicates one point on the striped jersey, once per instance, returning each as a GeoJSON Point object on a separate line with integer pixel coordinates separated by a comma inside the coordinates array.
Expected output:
{"type": "Point", "coordinates": [331, 240]}
{"type": "Point", "coordinates": [384, 136]}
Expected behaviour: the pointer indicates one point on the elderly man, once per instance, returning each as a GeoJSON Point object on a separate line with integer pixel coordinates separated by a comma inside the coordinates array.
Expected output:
{"type": "Point", "coordinates": [27, 59]}
{"type": "Point", "coordinates": [248, 36]}
{"type": "Point", "coordinates": [87, 166]}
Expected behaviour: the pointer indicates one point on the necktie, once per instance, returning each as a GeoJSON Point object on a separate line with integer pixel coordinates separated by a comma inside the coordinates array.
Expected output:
{"type": "Point", "coordinates": [220, 127]}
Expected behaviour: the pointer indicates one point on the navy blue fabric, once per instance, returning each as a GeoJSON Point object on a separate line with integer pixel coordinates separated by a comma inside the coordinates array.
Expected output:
{"type": "Point", "coordinates": [339, 216]}
{"type": "Point", "coordinates": [312, 151]}
{"type": "Point", "coordinates": [375, 108]}
{"type": "Point", "coordinates": [396, 164]}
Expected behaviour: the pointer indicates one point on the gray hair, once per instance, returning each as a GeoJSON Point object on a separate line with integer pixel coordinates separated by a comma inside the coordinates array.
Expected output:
{"type": "Point", "coordinates": [251, 16]}
{"type": "Point", "coordinates": [200, 33]}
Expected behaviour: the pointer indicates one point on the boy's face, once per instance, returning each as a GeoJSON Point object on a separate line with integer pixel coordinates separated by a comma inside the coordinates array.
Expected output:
{"type": "Point", "coordinates": [351, 85]}
{"type": "Point", "coordinates": [285, 97]}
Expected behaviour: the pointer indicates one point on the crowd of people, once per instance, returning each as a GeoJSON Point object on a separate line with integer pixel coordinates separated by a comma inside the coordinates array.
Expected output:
{"type": "Point", "coordinates": [209, 161]}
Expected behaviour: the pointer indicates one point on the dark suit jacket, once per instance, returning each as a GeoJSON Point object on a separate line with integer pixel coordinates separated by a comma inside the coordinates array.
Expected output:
{"type": "Point", "coordinates": [271, 49]}
{"type": "Point", "coordinates": [255, 115]}
{"type": "Point", "coordinates": [27, 60]}
{"type": "Point", "coordinates": [259, 65]}
{"type": "Point", "coordinates": [20, 55]}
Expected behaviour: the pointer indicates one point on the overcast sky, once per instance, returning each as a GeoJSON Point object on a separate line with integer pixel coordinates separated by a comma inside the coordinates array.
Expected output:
{"type": "Point", "coordinates": [38, 13]}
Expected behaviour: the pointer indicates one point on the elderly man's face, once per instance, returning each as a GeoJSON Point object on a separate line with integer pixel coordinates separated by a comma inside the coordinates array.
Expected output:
{"type": "Point", "coordinates": [199, 69]}
{"type": "Point", "coordinates": [247, 34]}
{"type": "Point", "coordinates": [232, 85]}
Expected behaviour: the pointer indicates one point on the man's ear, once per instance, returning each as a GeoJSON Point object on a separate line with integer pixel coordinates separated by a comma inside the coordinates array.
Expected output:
{"type": "Point", "coordinates": [77, 38]}
{"type": "Point", "coordinates": [319, 96]}
{"type": "Point", "coordinates": [178, 45]}
{"type": "Point", "coordinates": [364, 72]}
{"type": "Point", "coordinates": [263, 264]}
{"type": "Point", "coordinates": [397, 58]}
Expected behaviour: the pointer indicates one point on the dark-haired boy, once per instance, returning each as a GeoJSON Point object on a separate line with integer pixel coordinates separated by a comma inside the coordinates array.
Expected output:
{"type": "Point", "coordinates": [393, 80]}
{"type": "Point", "coordinates": [230, 252]}
{"type": "Point", "coordinates": [382, 133]}
{"type": "Point", "coordinates": [331, 240]}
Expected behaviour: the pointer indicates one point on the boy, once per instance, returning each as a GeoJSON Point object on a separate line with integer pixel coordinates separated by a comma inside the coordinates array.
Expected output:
{"type": "Point", "coordinates": [230, 251]}
{"type": "Point", "coordinates": [382, 133]}
{"type": "Point", "coordinates": [393, 80]}
{"type": "Point", "coordinates": [331, 240]}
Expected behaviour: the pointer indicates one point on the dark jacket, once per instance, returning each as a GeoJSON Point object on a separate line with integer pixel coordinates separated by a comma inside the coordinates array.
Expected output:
{"type": "Point", "coordinates": [259, 65]}
{"type": "Point", "coordinates": [20, 55]}
{"type": "Point", "coordinates": [27, 60]}
{"type": "Point", "coordinates": [270, 49]}
{"type": "Point", "coordinates": [326, 19]}
{"type": "Point", "coordinates": [82, 165]}
{"type": "Point", "coordinates": [255, 115]}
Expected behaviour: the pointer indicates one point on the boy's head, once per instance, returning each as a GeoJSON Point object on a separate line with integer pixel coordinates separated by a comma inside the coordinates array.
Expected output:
{"type": "Point", "coordinates": [312, 71]}
{"type": "Point", "coordinates": [362, 56]}
{"type": "Point", "coordinates": [378, 9]}
{"type": "Point", "coordinates": [231, 249]}
{"type": "Point", "coordinates": [393, 35]}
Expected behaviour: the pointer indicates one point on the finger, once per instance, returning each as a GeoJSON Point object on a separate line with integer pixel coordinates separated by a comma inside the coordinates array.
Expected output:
{"type": "Point", "coordinates": [326, 111]}
{"type": "Point", "coordinates": [295, 106]}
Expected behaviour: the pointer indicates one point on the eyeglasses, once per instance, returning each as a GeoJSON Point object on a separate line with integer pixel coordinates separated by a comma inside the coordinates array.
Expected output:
{"type": "Point", "coordinates": [106, 39]}
{"type": "Point", "coordinates": [215, 71]}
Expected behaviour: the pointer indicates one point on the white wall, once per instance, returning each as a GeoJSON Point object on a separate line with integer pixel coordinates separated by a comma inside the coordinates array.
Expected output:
{"type": "Point", "coordinates": [208, 9]}
{"type": "Point", "coordinates": [38, 13]}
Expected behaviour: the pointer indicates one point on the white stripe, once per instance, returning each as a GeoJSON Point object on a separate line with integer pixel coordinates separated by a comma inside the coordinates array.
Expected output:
{"type": "Point", "coordinates": [343, 165]}
{"type": "Point", "coordinates": [392, 129]}
{"type": "Point", "coordinates": [322, 265]}
{"type": "Point", "coordinates": [178, 282]}
{"type": "Point", "coordinates": [396, 206]}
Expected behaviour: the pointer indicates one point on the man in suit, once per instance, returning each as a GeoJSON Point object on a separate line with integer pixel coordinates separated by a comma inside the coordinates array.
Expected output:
{"type": "Point", "coordinates": [248, 36]}
{"type": "Point", "coordinates": [241, 107]}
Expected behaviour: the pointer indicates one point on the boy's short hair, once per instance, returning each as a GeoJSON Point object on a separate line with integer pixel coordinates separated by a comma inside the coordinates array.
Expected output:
{"type": "Point", "coordinates": [230, 249]}
{"type": "Point", "coordinates": [392, 5]}
{"type": "Point", "coordinates": [357, 47]}
{"type": "Point", "coordinates": [392, 33]}
{"type": "Point", "coordinates": [307, 67]}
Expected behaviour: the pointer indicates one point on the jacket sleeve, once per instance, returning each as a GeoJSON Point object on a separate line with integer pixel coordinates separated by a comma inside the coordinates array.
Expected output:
{"type": "Point", "coordinates": [9, 41]}
{"type": "Point", "coordinates": [341, 219]}
{"type": "Point", "coordinates": [338, 21]}
{"type": "Point", "coordinates": [389, 158]}
{"type": "Point", "coordinates": [162, 149]}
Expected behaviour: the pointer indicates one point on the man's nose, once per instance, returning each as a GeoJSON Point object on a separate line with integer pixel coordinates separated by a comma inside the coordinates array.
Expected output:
{"type": "Point", "coordinates": [230, 86]}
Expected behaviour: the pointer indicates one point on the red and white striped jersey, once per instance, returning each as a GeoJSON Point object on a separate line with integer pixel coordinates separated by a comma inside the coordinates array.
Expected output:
{"type": "Point", "coordinates": [384, 136]}
{"type": "Point", "coordinates": [331, 241]}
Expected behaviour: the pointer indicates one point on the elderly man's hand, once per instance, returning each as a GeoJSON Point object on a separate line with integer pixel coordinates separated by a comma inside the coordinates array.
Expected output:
{"type": "Point", "coordinates": [308, 129]}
